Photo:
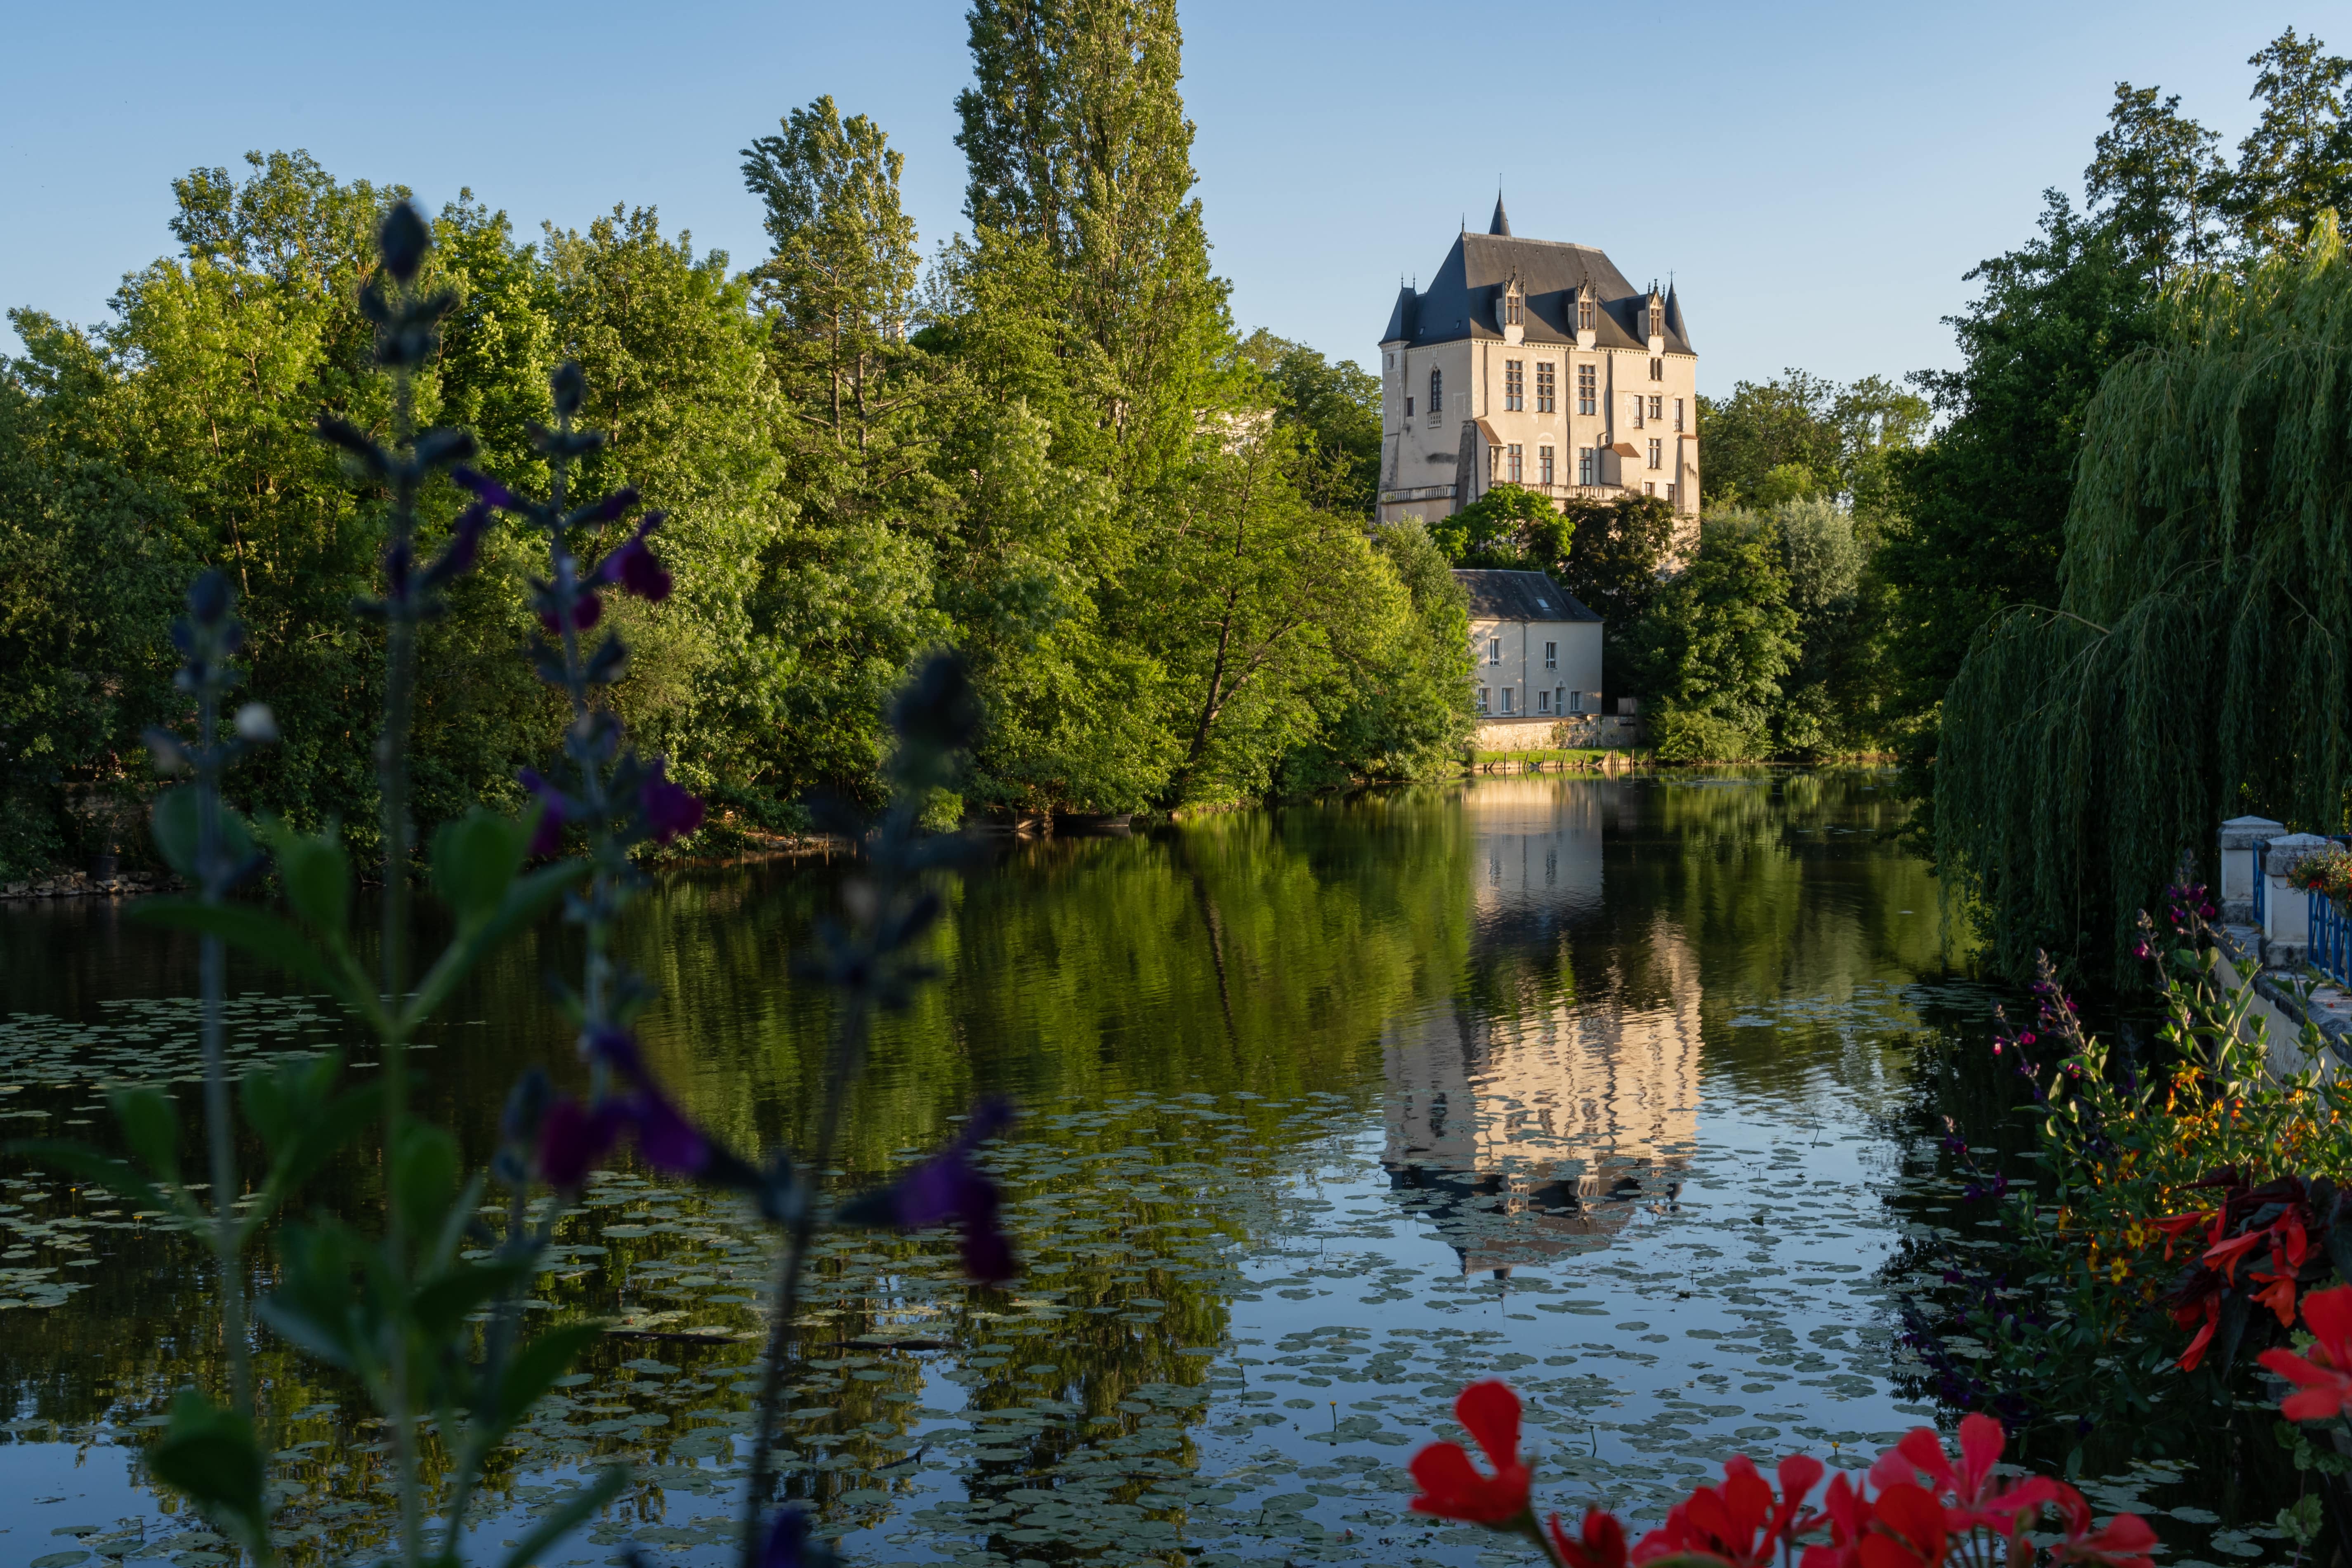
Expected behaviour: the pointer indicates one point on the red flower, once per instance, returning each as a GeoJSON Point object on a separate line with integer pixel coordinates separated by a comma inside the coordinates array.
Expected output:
{"type": "Point", "coordinates": [1603, 1545]}
{"type": "Point", "coordinates": [2187, 1315]}
{"type": "Point", "coordinates": [2224, 1255]}
{"type": "Point", "coordinates": [2277, 1293]}
{"type": "Point", "coordinates": [1974, 1498]}
{"type": "Point", "coordinates": [1450, 1486]}
{"type": "Point", "coordinates": [2123, 1543]}
{"type": "Point", "coordinates": [2323, 1380]}
{"type": "Point", "coordinates": [1910, 1531]}
{"type": "Point", "coordinates": [1740, 1522]}
{"type": "Point", "coordinates": [2178, 1226]}
{"type": "Point", "coordinates": [1847, 1513]}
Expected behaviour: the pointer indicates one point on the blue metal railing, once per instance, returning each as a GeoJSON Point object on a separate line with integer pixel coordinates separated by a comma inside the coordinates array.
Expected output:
{"type": "Point", "coordinates": [2331, 939]}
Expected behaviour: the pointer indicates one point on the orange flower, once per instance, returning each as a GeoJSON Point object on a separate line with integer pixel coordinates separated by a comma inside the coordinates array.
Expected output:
{"type": "Point", "coordinates": [2324, 1380]}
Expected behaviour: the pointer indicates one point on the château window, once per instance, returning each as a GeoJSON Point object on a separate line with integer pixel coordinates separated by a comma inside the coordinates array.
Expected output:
{"type": "Point", "coordinates": [1515, 384]}
{"type": "Point", "coordinates": [1493, 464]}
{"type": "Point", "coordinates": [1408, 407]}
{"type": "Point", "coordinates": [1543, 465]}
{"type": "Point", "coordinates": [1436, 392]}
{"type": "Point", "coordinates": [1543, 701]}
{"type": "Point", "coordinates": [1657, 455]}
{"type": "Point", "coordinates": [1482, 700]}
{"type": "Point", "coordinates": [1547, 400]}
{"type": "Point", "coordinates": [1493, 650]}
{"type": "Point", "coordinates": [1508, 692]}
{"type": "Point", "coordinates": [1551, 655]}
{"type": "Point", "coordinates": [1586, 460]}
{"type": "Point", "coordinates": [1673, 494]}
{"type": "Point", "coordinates": [1514, 308]}
{"type": "Point", "coordinates": [1637, 412]}
{"type": "Point", "coordinates": [1583, 312]}
{"type": "Point", "coordinates": [1518, 463]}
{"type": "Point", "coordinates": [1587, 389]}
{"type": "Point", "coordinates": [1648, 488]}
{"type": "Point", "coordinates": [1678, 414]}
{"type": "Point", "coordinates": [1657, 409]}
{"type": "Point", "coordinates": [1657, 370]}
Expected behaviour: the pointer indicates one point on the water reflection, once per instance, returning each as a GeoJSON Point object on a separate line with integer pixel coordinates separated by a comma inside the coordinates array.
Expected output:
{"type": "Point", "coordinates": [1301, 1084]}
{"type": "Point", "coordinates": [1476, 1096]}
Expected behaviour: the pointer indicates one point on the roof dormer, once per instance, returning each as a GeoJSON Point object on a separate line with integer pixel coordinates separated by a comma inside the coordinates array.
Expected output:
{"type": "Point", "coordinates": [1584, 311]}
{"type": "Point", "coordinates": [1654, 321]}
{"type": "Point", "coordinates": [1511, 310]}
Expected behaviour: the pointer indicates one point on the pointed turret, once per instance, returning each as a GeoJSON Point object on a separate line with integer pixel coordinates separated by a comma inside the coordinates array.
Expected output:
{"type": "Point", "coordinates": [1674, 318]}
{"type": "Point", "coordinates": [1401, 320]}
{"type": "Point", "coordinates": [1502, 220]}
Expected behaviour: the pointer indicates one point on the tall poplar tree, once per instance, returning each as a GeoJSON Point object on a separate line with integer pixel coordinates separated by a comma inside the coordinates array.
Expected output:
{"type": "Point", "coordinates": [1081, 196]}
{"type": "Point", "coordinates": [2297, 160]}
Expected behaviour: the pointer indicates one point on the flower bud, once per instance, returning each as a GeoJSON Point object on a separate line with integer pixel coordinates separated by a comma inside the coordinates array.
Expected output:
{"type": "Point", "coordinates": [402, 241]}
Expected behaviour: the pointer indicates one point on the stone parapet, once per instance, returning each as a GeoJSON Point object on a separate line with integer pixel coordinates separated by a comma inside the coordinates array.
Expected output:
{"type": "Point", "coordinates": [1574, 732]}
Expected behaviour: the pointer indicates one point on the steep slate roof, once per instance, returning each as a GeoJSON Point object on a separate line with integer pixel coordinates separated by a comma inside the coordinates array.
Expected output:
{"type": "Point", "coordinates": [1501, 222]}
{"type": "Point", "coordinates": [1519, 596]}
{"type": "Point", "coordinates": [1675, 316]}
{"type": "Point", "coordinates": [1460, 299]}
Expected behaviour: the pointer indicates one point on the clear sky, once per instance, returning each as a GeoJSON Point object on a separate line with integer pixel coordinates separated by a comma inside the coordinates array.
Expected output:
{"type": "Point", "coordinates": [1817, 177]}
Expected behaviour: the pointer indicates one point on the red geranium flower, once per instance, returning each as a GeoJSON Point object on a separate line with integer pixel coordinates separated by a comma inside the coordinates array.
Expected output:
{"type": "Point", "coordinates": [2123, 1542]}
{"type": "Point", "coordinates": [2323, 1380]}
{"type": "Point", "coordinates": [1974, 1495]}
{"type": "Point", "coordinates": [1603, 1545]}
{"type": "Point", "coordinates": [1910, 1531]}
{"type": "Point", "coordinates": [1450, 1486]}
{"type": "Point", "coordinates": [1847, 1513]}
{"type": "Point", "coordinates": [1740, 1522]}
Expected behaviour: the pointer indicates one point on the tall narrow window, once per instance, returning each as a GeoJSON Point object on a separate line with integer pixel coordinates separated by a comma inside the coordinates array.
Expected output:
{"type": "Point", "coordinates": [1543, 465]}
{"type": "Point", "coordinates": [1518, 463]}
{"type": "Point", "coordinates": [1493, 650]}
{"type": "Point", "coordinates": [1543, 701]}
{"type": "Point", "coordinates": [1436, 392]}
{"type": "Point", "coordinates": [1657, 408]}
{"type": "Point", "coordinates": [1583, 312]}
{"type": "Point", "coordinates": [1657, 459]}
{"type": "Point", "coordinates": [1508, 692]}
{"type": "Point", "coordinates": [1482, 700]}
{"type": "Point", "coordinates": [1551, 655]}
{"type": "Point", "coordinates": [1408, 407]}
{"type": "Point", "coordinates": [1493, 464]}
{"type": "Point", "coordinates": [1514, 307]}
{"type": "Point", "coordinates": [1678, 414]}
{"type": "Point", "coordinates": [1637, 412]}
{"type": "Point", "coordinates": [1515, 386]}
{"type": "Point", "coordinates": [1657, 366]}
{"type": "Point", "coordinates": [1584, 466]}
{"type": "Point", "coordinates": [1547, 402]}
{"type": "Point", "coordinates": [1673, 494]}
{"type": "Point", "coordinates": [1587, 389]}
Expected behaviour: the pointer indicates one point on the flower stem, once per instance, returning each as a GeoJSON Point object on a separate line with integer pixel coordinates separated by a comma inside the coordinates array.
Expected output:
{"type": "Point", "coordinates": [220, 1133]}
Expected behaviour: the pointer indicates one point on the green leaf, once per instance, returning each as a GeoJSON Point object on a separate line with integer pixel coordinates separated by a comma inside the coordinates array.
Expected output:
{"type": "Point", "coordinates": [475, 860]}
{"type": "Point", "coordinates": [259, 933]}
{"type": "Point", "coordinates": [317, 873]}
{"type": "Point", "coordinates": [577, 1511]}
{"type": "Point", "coordinates": [151, 1125]}
{"type": "Point", "coordinates": [424, 1172]}
{"type": "Point", "coordinates": [176, 822]}
{"type": "Point", "coordinates": [526, 898]}
{"type": "Point", "coordinates": [209, 1454]}
{"type": "Point", "coordinates": [537, 1364]}
{"type": "Point", "coordinates": [441, 1304]}
{"type": "Point", "coordinates": [96, 1168]}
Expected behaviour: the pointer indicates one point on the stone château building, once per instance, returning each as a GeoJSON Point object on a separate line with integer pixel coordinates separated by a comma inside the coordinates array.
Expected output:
{"type": "Point", "coordinates": [1535, 362]}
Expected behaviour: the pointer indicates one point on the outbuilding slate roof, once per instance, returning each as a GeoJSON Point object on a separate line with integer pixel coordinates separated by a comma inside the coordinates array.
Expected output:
{"type": "Point", "coordinates": [1460, 299]}
{"type": "Point", "coordinates": [1519, 596]}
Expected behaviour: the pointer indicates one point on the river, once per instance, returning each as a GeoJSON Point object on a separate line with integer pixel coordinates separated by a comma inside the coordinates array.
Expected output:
{"type": "Point", "coordinates": [1603, 1085]}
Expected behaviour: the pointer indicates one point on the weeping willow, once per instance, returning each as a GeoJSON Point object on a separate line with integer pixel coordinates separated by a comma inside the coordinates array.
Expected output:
{"type": "Point", "coordinates": [2195, 666]}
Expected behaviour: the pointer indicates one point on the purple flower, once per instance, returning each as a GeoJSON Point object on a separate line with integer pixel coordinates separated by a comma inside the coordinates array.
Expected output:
{"type": "Point", "coordinates": [788, 1540]}
{"type": "Point", "coordinates": [486, 488]}
{"type": "Point", "coordinates": [573, 1138]}
{"type": "Point", "coordinates": [586, 611]}
{"type": "Point", "coordinates": [669, 810]}
{"type": "Point", "coordinates": [464, 548]}
{"type": "Point", "coordinates": [546, 837]}
{"type": "Point", "coordinates": [633, 567]}
{"type": "Point", "coordinates": [949, 1188]}
{"type": "Point", "coordinates": [668, 1141]}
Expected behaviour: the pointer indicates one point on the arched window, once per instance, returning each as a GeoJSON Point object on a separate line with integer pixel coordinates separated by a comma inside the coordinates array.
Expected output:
{"type": "Point", "coordinates": [1436, 392]}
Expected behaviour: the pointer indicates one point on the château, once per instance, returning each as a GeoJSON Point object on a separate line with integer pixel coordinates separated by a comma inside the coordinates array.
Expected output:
{"type": "Point", "coordinates": [1534, 362]}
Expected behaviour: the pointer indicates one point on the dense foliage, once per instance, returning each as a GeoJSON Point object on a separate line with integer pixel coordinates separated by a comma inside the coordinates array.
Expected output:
{"type": "Point", "coordinates": [1052, 451]}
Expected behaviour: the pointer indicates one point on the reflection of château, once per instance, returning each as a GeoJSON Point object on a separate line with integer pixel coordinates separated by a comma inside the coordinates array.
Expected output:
{"type": "Point", "coordinates": [1542, 1110]}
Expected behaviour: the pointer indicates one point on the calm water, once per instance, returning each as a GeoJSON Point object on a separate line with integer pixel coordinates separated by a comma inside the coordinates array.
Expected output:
{"type": "Point", "coordinates": [1601, 1085]}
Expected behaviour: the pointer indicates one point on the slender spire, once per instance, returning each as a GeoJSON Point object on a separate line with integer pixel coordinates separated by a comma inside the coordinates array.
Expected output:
{"type": "Point", "coordinates": [1502, 223]}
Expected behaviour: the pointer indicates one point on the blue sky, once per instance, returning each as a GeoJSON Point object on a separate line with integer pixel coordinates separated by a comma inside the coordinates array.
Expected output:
{"type": "Point", "coordinates": [1818, 177]}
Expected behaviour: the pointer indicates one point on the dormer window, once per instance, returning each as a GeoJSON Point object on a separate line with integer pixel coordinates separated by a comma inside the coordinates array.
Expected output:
{"type": "Point", "coordinates": [1515, 306]}
{"type": "Point", "coordinates": [1583, 310]}
{"type": "Point", "coordinates": [1656, 324]}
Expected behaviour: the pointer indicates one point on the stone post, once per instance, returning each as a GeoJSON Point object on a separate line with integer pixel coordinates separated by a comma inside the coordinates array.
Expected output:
{"type": "Point", "coordinates": [2286, 909]}
{"type": "Point", "coordinates": [2243, 838]}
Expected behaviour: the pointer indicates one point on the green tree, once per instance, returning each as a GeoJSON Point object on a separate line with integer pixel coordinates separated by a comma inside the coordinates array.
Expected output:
{"type": "Point", "coordinates": [1616, 569]}
{"type": "Point", "coordinates": [1510, 528]}
{"type": "Point", "coordinates": [1715, 644]}
{"type": "Point", "coordinates": [1081, 200]}
{"type": "Point", "coordinates": [2297, 162]}
{"type": "Point", "coordinates": [1335, 407]}
{"type": "Point", "coordinates": [1407, 713]}
{"type": "Point", "coordinates": [2154, 175]}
